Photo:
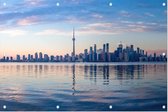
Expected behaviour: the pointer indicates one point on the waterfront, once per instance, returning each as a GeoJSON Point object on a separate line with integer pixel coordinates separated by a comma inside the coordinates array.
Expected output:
{"type": "Point", "coordinates": [83, 86]}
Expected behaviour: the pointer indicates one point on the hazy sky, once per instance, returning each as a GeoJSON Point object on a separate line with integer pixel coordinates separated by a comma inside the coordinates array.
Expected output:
{"type": "Point", "coordinates": [29, 26]}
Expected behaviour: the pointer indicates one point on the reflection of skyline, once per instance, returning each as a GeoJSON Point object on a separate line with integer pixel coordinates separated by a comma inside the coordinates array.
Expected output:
{"type": "Point", "coordinates": [126, 72]}
{"type": "Point", "coordinates": [97, 74]}
{"type": "Point", "coordinates": [94, 83]}
{"type": "Point", "coordinates": [73, 79]}
{"type": "Point", "coordinates": [92, 71]}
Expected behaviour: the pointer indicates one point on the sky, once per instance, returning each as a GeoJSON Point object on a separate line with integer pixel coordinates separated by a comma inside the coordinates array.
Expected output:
{"type": "Point", "coordinates": [29, 26]}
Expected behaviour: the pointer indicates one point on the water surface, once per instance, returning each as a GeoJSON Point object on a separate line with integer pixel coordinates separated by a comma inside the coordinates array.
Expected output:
{"type": "Point", "coordinates": [83, 86]}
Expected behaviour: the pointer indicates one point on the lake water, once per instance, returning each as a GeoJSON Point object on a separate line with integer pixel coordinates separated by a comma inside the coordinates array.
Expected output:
{"type": "Point", "coordinates": [83, 86]}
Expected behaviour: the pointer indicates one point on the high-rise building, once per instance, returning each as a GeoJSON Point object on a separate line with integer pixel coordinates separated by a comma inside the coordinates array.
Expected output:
{"type": "Point", "coordinates": [24, 58]}
{"type": "Point", "coordinates": [29, 57]}
{"type": "Point", "coordinates": [7, 59]}
{"type": "Point", "coordinates": [52, 58]}
{"type": "Point", "coordinates": [40, 57]}
{"type": "Point", "coordinates": [91, 54]}
{"type": "Point", "coordinates": [46, 58]}
{"type": "Point", "coordinates": [104, 48]}
{"type": "Point", "coordinates": [57, 58]}
{"type": "Point", "coordinates": [119, 52]}
{"type": "Point", "coordinates": [132, 47]}
{"type": "Point", "coordinates": [154, 57]}
{"type": "Point", "coordinates": [61, 58]}
{"type": "Point", "coordinates": [99, 54]}
{"type": "Point", "coordinates": [120, 47]}
{"type": "Point", "coordinates": [95, 49]}
{"type": "Point", "coordinates": [11, 58]}
{"type": "Point", "coordinates": [107, 47]}
{"type": "Point", "coordinates": [107, 52]}
{"type": "Point", "coordinates": [18, 57]}
{"type": "Point", "coordinates": [85, 55]}
{"type": "Point", "coordinates": [104, 53]}
{"type": "Point", "coordinates": [95, 53]}
{"type": "Point", "coordinates": [36, 56]}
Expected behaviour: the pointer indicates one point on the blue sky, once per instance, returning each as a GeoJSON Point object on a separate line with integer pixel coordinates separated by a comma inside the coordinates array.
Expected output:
{"type": "Point", "coordinates": [29, 26]}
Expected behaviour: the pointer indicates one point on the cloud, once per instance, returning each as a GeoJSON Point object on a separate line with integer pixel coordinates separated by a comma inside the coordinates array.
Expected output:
{"type": "Point", "coordinates": [97, 16]}
{"type": "Point", "coordinates": [98, 28]}
{"type": "Point", "coordinates": [13, 32]}
{"type": "Point", "coordinates": [45, 11]}
{"type": "Point", "coordinates": [33, 3]}
{"type": "Point", "coordinates": [53, 32]}
{"type": "Point", "coordinates": [113, 28]}
{"type": "Point", "coordinates": [28, 21]}
{"type": "Point", "coordinates": [149, 14]}
{"type": "Point", "coordinates": [141, 26]}
{"type": "Point", "coordinates": [124, 13]}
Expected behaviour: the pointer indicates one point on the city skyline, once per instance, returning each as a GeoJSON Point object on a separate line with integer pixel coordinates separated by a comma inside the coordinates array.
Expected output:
{"type": "Point", "coordinates": [46, 25]}
{"type": "Point", "coordinates": [92, 54]}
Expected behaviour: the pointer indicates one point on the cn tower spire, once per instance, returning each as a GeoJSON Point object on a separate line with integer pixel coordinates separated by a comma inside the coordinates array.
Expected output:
{"type": "Point", "coordinates": [73, 39]}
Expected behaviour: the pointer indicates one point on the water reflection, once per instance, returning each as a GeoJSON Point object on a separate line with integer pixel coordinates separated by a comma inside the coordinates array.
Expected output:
{"type": "Point", "coordinates": [73, 79]}
{"type": "Point", "coordinates": [122, 72]}
{"type": "Point", "coordinates": [130, 71]}
{"type": "Point", "coordinates": [85, 86]}
{"type": "Point", "coordinates": [106, 74]}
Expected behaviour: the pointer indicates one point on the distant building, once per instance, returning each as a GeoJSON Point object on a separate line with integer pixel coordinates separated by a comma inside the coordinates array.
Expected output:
{"type": "Point", "coordinates": [46, 58]}
{"type": "Point", "coordinates": [40, 56]}
{"type": "Point", "coordinates": [107, 53]}
{"type": "Point", "coordinates": [91, 54]}
{"type": "Point", "coordinates": [36, 56]}
{"type": "Point", "coordinates": [86, 59]}
{"type": "Point", "coordinates": [18, 58]}
{"type": "Point", "coordinates": [24, 58]}
{"type": "Point", "coordinates": [29, 57]}
{"type": "Point", "coordinates": [95, 53]}
{"type": "Point", "coordinates": [52, 58]}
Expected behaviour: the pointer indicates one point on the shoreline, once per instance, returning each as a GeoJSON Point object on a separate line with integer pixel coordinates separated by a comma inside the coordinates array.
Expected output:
{"type": "Point", "coordinates": [87, 63]}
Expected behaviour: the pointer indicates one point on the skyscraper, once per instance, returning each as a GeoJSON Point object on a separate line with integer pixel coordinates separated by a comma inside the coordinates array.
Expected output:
{"type": "Point", "coordinates": [85, 55]}
{"type": "Point", "coordinates": [18, 58]}
{"type": "Point", "coordinates": [132, 47]}
{"type": "Point", "coordinates": [29, 57]}
{"type": "Point", "coordinates": [107, 52]}
{"type": "Point", "coordinates": [73, 39]}
{"type": "Point", "coordinates": [36, 56]}
{"type": "Point", "coordinates": [46, 58]}
{"type": "Point", "coordinates": [91, 54]}
{"type": "Point", "coordinates": [40, 56]}
{"type": "Point", "coordinates": [104, 52]}
{"type": "Point", "coordinates": [95, 53]}
{"type": "Point", "coordinates": [24, 58]}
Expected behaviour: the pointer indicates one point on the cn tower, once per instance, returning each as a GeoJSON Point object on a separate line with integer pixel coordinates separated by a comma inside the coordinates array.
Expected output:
{"type": "Point", "coordinates": [73, 39]}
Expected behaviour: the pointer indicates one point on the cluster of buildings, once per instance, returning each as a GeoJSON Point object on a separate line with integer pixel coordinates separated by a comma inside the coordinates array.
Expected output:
{"type": "Point", "coordinates": [127, 54]}
{"type": "Point", "coordinates": [121, 54]}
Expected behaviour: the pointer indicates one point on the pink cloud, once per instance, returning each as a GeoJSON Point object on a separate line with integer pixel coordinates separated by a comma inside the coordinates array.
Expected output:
{"type": "Point", "coordinates": [28, 21]}
{"type": "Point", "coordinates": [33, 2]}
